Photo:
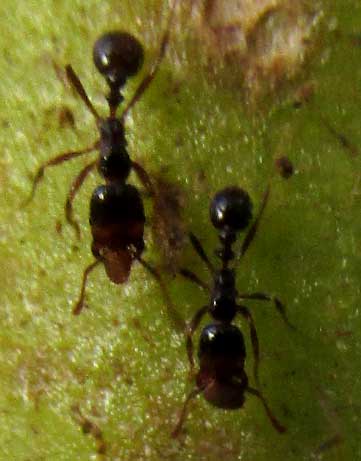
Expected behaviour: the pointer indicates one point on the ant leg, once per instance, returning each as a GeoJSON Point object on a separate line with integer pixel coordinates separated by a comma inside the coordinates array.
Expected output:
{"type": "Point", "coordinates": [189, 275]}
{"type": "Point", "coordinates": [191, 328]}
{"type": "Point", "coordinates": [278, 304]}
{"type": "Point", "coordinates": [77, 183]}
{"type": "Point", "coordinates": [147, 80]}
{"type": "Point", "coordinates": [200, 251]}
{"type": "Point", "coordinates": [183, 414]}
{"type": "Point", "coordinates": [88, 427]}
{"type": "Point", "coordinates": [78, 87]}
{"type": "Point", "coordinates": [341, 138]}
{"type": "Point", "coordinates": [80, 303]}
{"type": "Point", "coordinates": [56, 161]}
{"type": "Point", "coordinates": [275, 423]}
{"type": "Point", "coordinates": [244, 311]}
{"type": "Point", "coordinates": [144, 178]}
{"type": "Point", "coordinates": [253, 229]}
{"type": "Point", "coordinates": [177, 320]}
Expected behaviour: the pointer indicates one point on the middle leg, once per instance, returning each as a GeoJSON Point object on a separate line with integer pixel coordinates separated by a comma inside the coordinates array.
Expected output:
{"type": "Point", "coordinates": [245, 312]}
{"type": "Point", "coordinates": [75, 186]}
{"type": "Point", "coordinates": [192, 277]}
{"type": "Point", "coordinates": [144, 178]}
{"type": "Point", "coordinates": [56, 161]}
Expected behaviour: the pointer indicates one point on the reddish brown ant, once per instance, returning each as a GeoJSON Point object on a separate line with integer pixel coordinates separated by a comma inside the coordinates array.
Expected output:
{"type": "Point", "coordinates": [116, 208]}
{"type": "Point", "coordinates": [221, 377]}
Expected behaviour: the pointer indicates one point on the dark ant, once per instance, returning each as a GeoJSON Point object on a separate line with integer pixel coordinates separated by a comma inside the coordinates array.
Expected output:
{"type": "Point", "coordinates": [116, 208]}
{"type": "Point", "coordinates": [284, 166]}
{"type": "Point", "coordinates": [221, 377]}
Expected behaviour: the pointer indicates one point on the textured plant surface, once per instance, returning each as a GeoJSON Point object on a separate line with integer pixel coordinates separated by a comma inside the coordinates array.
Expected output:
{"type": "Point", "coordinates": [119, 370]}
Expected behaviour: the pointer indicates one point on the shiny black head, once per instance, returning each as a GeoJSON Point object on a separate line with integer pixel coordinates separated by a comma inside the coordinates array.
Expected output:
{"type": "Point", "coordinates": [231, 209]}
{"type": "Point", "coordinates": [117, 56]}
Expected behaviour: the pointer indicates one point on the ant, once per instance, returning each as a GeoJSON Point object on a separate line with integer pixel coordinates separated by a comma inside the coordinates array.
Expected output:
{"type": "Point", "coordinates": [221, 377]}
{"type": "Point", "coordinates": [116, 208]}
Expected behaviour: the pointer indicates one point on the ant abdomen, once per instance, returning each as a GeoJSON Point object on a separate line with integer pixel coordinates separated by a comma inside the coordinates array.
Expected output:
{"type": "Point", "coordinates": [117, 215]}
{"type": "Point", "coordinates": [221, 350]}
{"type": "Point", "coordinates": [231, 209]}
{"type": "Point", "coordinates": [117, 224]}
{"type": "Point", "coordinates": [118, 56]}
{"type": "Point", "coordinates": [221, 355]}
{"type": "Point", "coordinates": [228, 395]}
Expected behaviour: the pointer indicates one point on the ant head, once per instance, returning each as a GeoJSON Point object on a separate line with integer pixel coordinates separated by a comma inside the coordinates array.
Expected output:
{"type": "Point", "coordinates": [231, 209]}
{"type": "Point", "coordinates": [117, 56]}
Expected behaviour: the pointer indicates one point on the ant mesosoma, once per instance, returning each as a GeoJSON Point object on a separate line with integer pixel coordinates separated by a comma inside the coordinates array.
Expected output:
{"type": "Point", "coordinates": [116, 208]}
{"type": "Point", "coordinates": [221, 377]}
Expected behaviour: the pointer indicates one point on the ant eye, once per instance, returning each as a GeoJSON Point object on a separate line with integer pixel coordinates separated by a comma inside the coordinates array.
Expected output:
{"type": "Point", "coordinates": [117, 56]}
{"type": "Point", "coordinates": [231, 208]}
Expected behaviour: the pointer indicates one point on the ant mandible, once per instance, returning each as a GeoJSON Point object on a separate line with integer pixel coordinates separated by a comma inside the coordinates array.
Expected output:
{"type": "Point", "coordinates": [221, 377]}
{"type": "Point", "coordinates": [116, 208]}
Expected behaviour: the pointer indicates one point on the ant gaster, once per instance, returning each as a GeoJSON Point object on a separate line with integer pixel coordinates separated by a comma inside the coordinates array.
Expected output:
{"type": "Point", "coordinates": [221, 377]}
{"type": "Point", "coordinates": [116, 208]}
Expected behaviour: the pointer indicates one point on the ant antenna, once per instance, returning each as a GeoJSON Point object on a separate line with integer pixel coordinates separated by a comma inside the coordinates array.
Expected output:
{"type": "Point", "coordinates": [253, 229]}
{"type": "Point", "coordinates": [201, 253]}
{"type": "Point", "coordinates": [150, 76]}
{"type": "Point", "coordinates": [78, 87]}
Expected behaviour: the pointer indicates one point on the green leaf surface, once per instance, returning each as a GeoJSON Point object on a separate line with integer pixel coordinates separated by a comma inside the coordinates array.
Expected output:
{"type": "Point", "coordinates": [121, 362]}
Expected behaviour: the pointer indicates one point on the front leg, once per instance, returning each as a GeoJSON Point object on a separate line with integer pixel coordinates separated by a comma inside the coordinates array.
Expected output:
{"type": "Point", "coordinates": [192, 326]}
{"type": "Point", "coordinates": [144, 178]}
{"type": "Point", "coordinates": [75, 186]}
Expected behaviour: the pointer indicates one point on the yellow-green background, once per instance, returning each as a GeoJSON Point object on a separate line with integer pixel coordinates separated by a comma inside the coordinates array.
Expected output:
{"type": "Point", "coordinates": [130, 381]}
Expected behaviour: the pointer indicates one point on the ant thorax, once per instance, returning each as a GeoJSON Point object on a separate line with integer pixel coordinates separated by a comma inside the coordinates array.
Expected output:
{"type": "Point", "coordinates": [223, 298]}
{"type": "Point", "coordinates": [222, 354]}
{"type": "Point", "coordinates": [114, 161]}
